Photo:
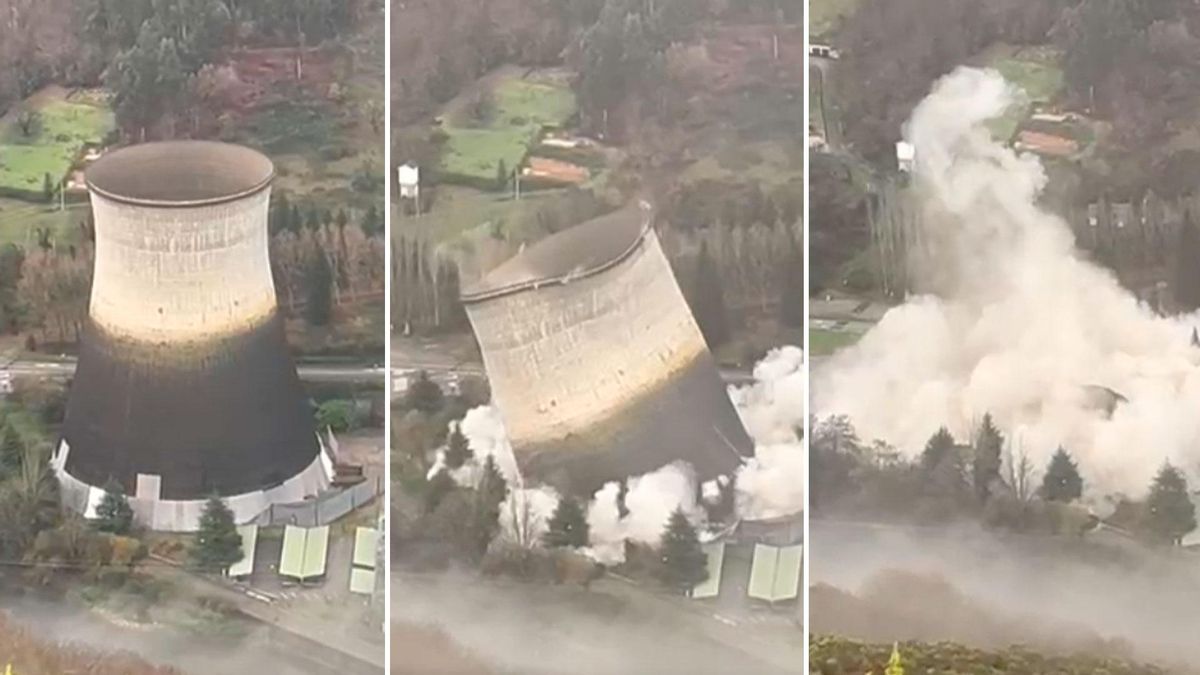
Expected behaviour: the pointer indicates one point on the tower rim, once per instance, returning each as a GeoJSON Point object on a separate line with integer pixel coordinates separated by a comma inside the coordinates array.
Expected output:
{"type": "Point", "coordinates": [180, 174]}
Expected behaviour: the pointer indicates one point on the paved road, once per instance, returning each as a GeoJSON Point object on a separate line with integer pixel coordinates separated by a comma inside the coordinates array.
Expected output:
{"type": "Point", "coordinates": [366, 373]}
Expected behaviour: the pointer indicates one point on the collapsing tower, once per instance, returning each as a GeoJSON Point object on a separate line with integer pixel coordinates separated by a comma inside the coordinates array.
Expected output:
{"type": "Point", "coordinates": [185, 387]}
{"type": "Point", "coordinates": [595, 362]}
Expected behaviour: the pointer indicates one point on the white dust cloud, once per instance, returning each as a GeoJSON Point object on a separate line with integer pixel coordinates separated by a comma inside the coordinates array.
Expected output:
{"type": "Point", "coordinates": [1016, 323]}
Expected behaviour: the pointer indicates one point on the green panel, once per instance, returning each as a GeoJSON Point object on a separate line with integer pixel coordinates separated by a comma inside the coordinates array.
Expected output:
{"type": "Point", "coordinates": [291, 559]}
{"type": "Point", "coordinates": [365, 541]}
{"type": "Point", "coordinates": [787, 573]}
{"type": "Point", "coordinates": [762, 572]}
{"type": "Point", "coordinates": [245, 566]}
{"type": "Point", "coordinates": [315, 549]}
{"type": "Point", "coordinates": [716, 561]}
{"type": "Point", "coordinates": [362, 581]}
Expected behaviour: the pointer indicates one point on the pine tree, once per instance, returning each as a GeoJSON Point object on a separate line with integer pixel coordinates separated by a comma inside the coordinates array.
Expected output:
{"type": "Point", "coordinates": [439, 486]}
{"type": "Point", "coordinates": [47, 188]}
{"type": "Point", "coordinates": [12, 451]}
{"type": "Point", "coordinates": [684, 562]}
{"type": "Point", "coordinates": [217, 544]}
{"type": "Point", "coordinates": [341, 219]}
{"type": "Point", "coordinates": [490, 493]}
{"type": "Point", "coordinates": [424, 395]}
{"type": "Point", "coordinates": [371, 223]}
{"type": "Point", "coordinates": [986, 469]}
{"type": "Point", "coordinates": [113, 513]}
{"type": "Point", "coordinates": [567, 527]}
{"type": "Point", "coordinates": [281, 214]}
{"type": "Point", "coordinates": [942, 467]}
{"type": "Point", "coordinates": [791, 293]}
{"type": "Point", "coordinates": [458, 451]}
{"type": "Point", "coordinates": [708, 300]}
{"type": "Point", "coordinates": [319, 307]}
{"type": "Point", "coordinates": [1170, 507]}
{"type": "Point", "coordinates": [1062, 482]}
{"type": "Point", "coordinates": [501, 176]}
{"type": "Point", "coordinates": [1187, 273]}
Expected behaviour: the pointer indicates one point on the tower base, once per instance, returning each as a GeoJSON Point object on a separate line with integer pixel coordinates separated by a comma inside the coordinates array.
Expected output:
{"type": "Point", "coordinates": [183, 515]}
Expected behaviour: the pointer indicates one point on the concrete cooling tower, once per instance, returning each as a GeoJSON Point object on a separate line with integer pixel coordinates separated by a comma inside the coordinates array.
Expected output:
{"type": "Point", "coordinates": [185, 386]}
{"type": "Point", "coordinates": [595, 362]}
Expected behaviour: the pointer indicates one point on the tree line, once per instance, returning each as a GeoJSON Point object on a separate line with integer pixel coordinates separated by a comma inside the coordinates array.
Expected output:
{"type": "Point", "coordinates": [983, 479]}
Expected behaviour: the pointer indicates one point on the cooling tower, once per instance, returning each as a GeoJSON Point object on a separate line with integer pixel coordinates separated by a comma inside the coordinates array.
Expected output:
{"type": "Point", "coordinates": [184, 386]}
{"type": "Point", "coordinates": [595, 362]}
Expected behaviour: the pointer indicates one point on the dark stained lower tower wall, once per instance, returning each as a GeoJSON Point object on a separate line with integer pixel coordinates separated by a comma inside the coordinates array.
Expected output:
{"type": "Point", "coordinates": [228, 416]}
{"type": "Point", "coordinates": [688, 417]}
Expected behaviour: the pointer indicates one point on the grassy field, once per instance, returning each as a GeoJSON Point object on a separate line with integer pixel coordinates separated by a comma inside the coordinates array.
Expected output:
{"type": "Point", "coordinates": [20, 221]}
{"type": "Point", "coordinates": [1037, 71]}
{"type": "Point", "coordinates": [65, 128]}
{"type": "Point", "coordinates": [823, 16]}
{"type": "Point", "coordinates": [824, 341]}
{"type": "Point", "coordinates": [522, 109]}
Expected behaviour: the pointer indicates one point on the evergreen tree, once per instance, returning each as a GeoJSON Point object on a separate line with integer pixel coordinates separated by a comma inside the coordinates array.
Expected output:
{"type": "Point", "coordinates": [47, 188]}
{"type": "Point", "coordinates": [296, 220]}
{"type": "Point", "coordinates": [708, 300]}
{"type": "Point", "coordinates": [942, 467]}
{"type": "Point", "coordinates": [319, 308]}
{"type": "Point", "coordinates": [457, 449]}
{"type": "Point", "coordinates": [281, 214]}
{"type": "Point", "coordinates": [567, 527]}
{"type": "Point", "coordinates": [791, 293]}
{"type": "Point", "coordinates": [439, 486]}
{"type": "Point", "coordinates": [986, 468]}
{"type": "Point", "coordinates": [12, 451]}
{"type": "Point", "coordinates": [424, 395]}
{"type": "Point", "coordinates": [1171, 512]}
{"type": "Point", "coordinates": [341, 219]}
{"type": "Point", "coordinates": [113, 513]}
{"type": "Point", "coordinates": [372, 224]}
{"type": "Point", "coordinates": [501, 176]}
{"type": "Point", "coordinates": [217, 544]}
{"type": "Point", "coordinates": [490, 493]}
{"type": "Point", "coordinates": [313, 220]}
{"type": "Point", "coordinates": [684, 562]}
{"type": "Point", "coordinates": [1187, 273]}
{"type": "Point", "coordinates": [1062, 482]}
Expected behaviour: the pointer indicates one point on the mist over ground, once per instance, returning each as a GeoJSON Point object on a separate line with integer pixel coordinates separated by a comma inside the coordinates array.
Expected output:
{"type": "Point", "coordinates": [884, 583]}
{"type": "Point", "coordinates": [243, 650]}
{"type": "Point", "coordinates": [1013, 321]}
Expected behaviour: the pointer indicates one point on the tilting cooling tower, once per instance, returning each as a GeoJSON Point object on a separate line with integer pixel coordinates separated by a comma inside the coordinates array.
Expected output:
{"type": "Point", "coordinates": [595, 362]}
{"type": "Point", "coordinates": [185, 387]}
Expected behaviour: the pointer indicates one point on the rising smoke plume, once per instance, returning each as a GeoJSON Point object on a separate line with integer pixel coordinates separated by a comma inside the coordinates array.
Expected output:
{"type": "Point", "coordinates": [1015, 322]}
{"type": "Point", "coordinates": [769, 484]}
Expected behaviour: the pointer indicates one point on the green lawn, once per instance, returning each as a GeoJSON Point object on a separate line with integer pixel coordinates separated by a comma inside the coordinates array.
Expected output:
{"type": "Point", "coordinates": [823, 16]}
{"type": "Point", "coordinates": [20, 220]}
{"type": "Point", "coordinates": [823, 342]}
{"type": "Point", "coordinates": [65, 128]}
{"type": "Point", "coordinates": [1037, 71]}
{"type": "Point", "coordinates": [523, 108]}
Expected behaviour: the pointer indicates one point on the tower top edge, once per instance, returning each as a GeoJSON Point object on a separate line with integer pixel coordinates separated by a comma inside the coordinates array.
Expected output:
{"type": "Point", "coordinates": [180, 174]}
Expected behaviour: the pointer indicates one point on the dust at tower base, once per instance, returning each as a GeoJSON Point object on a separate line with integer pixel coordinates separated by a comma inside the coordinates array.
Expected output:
{"type": "Point", "coordinates": [595, 362]}
{"type": "Point", "coordinates": [185, 387]}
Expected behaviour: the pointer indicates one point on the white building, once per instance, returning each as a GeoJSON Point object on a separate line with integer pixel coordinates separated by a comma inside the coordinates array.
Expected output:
{"type": "Point", "coordinates": [906, 156]}
{"type": "Point", "coordinates": [409, 177]}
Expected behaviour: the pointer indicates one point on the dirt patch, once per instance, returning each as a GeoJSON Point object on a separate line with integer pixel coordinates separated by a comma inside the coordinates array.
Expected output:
{"type": "Point", "coordinates": [427, 650]}
{"type": "Point", "coordinates": [555, 171]}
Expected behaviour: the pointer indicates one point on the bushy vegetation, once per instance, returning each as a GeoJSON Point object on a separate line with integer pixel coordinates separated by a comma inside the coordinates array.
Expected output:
{"type": "Point", "coordinates": [30, 654]}
{"type": "Point", "coordinates": [979, 480]}
{"type": "Point", "coordinates": [839, 656]}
